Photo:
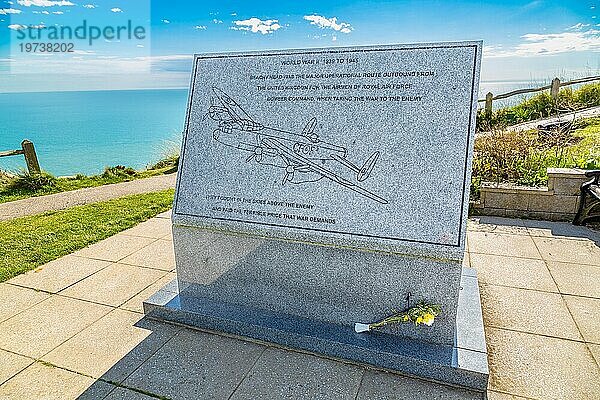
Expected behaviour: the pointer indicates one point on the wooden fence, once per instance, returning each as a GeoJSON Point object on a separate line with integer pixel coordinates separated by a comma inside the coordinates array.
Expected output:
{"type": "Point", "coordinates": [554, 88]}
{"type": "Point", "coordinates": [27, 149]}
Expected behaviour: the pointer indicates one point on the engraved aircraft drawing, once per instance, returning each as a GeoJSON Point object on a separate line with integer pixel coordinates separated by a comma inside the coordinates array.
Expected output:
{"type": "Point", "coordinates": [301, 156]}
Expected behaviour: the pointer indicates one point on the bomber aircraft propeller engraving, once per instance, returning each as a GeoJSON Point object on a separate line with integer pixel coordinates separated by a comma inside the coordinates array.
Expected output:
{"type": "Point", "coordinates": [300, 155]}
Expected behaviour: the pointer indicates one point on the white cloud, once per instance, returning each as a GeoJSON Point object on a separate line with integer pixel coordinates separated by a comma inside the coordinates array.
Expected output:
{"type": "Point", "coordinates": [44, 3]}
{"type": "Point", "coordinates": [200, 27]}
{"type": "Point", "coordinates": [6, 11]}
{"type": "Point", "coordinates": [554, 43]}
{"type": "Point", "coordinates": [577, 27]}
{"type": "Point", "coordinates": [217, 21]}
{"type": "Point", "coordinates": [116, 10]}
{"type": "Point", "coordinates": [16, 27]}
{"type": "Point", "coordinates": [166, 21]}
{"type": "Point", "coordinates": [329, 23]}
{"type": "Point", "coordinates": [536, 44]}
{"type": "Point", "coordinates": [89, 6]}
{"type": "Point", "coordinates": [57, 12]}
{"type": "Point", "coordinates": [256, 25]}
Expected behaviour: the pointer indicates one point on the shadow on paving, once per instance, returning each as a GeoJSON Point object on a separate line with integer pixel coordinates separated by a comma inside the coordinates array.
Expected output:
{"type": "Point", "coordinates": [179, 363]}
{"type": "Point", "coordinates": [548, 228]}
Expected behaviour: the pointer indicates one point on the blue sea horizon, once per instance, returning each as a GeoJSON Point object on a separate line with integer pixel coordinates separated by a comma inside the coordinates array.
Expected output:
{"type": "Point", "coordinates": [86, 131]}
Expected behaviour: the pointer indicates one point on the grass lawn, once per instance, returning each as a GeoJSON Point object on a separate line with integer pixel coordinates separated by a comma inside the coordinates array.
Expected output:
{"type": "Point", "coordinates": [10, 193]}
{"type": "Point", "coordinates": [28, 242]}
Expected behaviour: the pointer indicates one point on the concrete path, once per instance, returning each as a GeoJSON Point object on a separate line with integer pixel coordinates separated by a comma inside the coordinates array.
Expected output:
{"type": "Point", "coordinates": [74, 328]}
{"type": "Point", "coordinates": [587, 113]}
{"type": "Point", "coordinates": [59, 201]}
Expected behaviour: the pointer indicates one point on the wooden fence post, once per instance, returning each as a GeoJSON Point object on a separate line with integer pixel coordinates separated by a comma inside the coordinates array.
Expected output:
{"type": "Point", "coordinates": [488, 103]}
{"type": "Point", "coordinates": [555, 87]}
{"type": "Point", "coordinates": [33, 166]}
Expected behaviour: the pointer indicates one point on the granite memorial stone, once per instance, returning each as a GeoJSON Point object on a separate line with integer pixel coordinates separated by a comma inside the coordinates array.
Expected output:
{"type": "Point", "coordinates": [319, 188]}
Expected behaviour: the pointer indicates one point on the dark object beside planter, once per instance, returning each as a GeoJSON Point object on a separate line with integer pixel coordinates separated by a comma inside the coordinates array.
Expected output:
{"type": "Point", "coordinates": [589, 199]}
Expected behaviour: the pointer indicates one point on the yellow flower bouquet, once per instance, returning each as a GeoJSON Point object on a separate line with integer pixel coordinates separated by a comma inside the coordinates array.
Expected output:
{"type": "Point", "coordinates": [421, 314]}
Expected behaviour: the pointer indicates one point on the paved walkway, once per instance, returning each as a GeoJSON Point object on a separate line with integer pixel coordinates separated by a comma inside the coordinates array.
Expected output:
{"type": "Point", "coordinates": [59, 201]}
{"type": "Point", "coordinates": [587, 113]}
{"type": "Point", "coordinates": [74, 328]}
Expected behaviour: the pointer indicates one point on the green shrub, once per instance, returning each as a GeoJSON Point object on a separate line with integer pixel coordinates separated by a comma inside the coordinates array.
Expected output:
{"type": "Point", "coordinates": [32, 182]}
{"type": "Point", "coordinates": [524, 157]}
{"type": "Point", "coordinates": [118, 171]}
{"type": "Point", "coordinates": [588, 95]}
{"type": "Point", "coordinates": [170, 161]}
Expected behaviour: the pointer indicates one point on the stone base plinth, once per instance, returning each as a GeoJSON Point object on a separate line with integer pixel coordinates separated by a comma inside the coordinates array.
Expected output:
{"type": "Point", "coordinates": [464, 364]}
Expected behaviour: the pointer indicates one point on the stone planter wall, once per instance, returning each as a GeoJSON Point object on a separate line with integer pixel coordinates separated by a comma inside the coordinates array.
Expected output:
{"type": "Point", "coordinates": [557, 202]}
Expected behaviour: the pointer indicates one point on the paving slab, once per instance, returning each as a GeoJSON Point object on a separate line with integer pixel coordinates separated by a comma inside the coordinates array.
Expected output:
{"type": "Point", "coordinates": [563, 230]}
{"type": "Point", "coordinates": [40, 381]}
{"type": "Point", "coordinates": [98, 390]}
{"type": "Point", "coordinates": [493, 395]}
{"type": "Point", "coordinates": [382, 385]}
{"type": "Point", "coordinates": [281, 374]}
{"type": "Point", "coordinates": [135, 303]}
{"type": "Point", "coordinates": [99, 347]}
{"type": "Point", "coordinates": [167, 214]}
{"type": "Point", "coordinates": [114, 248]}
{"type": "Point", "coordinates": [569, 250]}
{"type": "Point", "coordinates": [14, 299]}
{"type": "Point", "coordinates": [120, 393]}
{"type": "Point", "coordinates": [497, 225]}
{"type": "Point", "coordinates": [158, 255]}
{"type": "Point", "coordinates": [59, 274]}
{"type": "Point", "coordinates": [502, 244]}
{"type": "Point", "coordinates": [153, 228]}
{"type": "Point", "coordinates": [41, 328]}
{"type": "Point", "coordinates": [527, 311]}
{"type": "Point", "coordinates": [525, 273]}
{"type": "Point", "coordinates": [541, 367]}
{"type": "Point", "coordinates": [576, 279]}
{"type": "Point", "coordinates": [11, 364]}
{"type": "Point", "coordinates": [114, 285]}
{"type": "Point", "coordinates": [586, 313]}
{"type": "Point", "coordinates": [196, 365]}
{"type": "Point", "coordinates": [595, 349]}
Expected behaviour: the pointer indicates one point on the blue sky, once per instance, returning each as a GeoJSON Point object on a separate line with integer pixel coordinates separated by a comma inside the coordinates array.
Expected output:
{"type": "Point", "coordinates": [524, 40]}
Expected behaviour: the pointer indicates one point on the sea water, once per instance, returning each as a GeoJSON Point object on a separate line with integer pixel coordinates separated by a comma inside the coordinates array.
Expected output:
{"type": "Point", "coordinates": [83, 132]}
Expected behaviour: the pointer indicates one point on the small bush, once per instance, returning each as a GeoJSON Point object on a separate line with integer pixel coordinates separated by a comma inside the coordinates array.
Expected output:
{"type": "Point", "coordinates": [523, 157]}
{"type": "Point", "coordinates": [32, 182]}
{"type": "Point", "coordinates": [171, 161]}
{"type": "Point", "coordinates": [118, 171]}
{"type": "Point", "coordinates": [588, 95]}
